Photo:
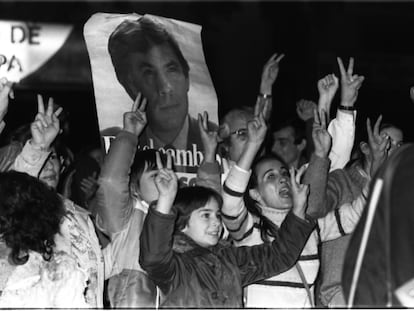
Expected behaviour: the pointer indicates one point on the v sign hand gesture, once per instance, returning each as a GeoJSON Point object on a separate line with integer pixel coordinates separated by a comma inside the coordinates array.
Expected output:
{"type": "Point", "coordinates": [136, 119]}
{"type": "Point", "coordinates": [46, 125]}
{"type": "Point", "coordinates": [322, 140]}
{"type": "Point", "coordinates": [300, 193]}
{"type": "Point", "coordinates": [350, 83]}
{"type": "Point", "coordinates": [167, 184]}
{"type": "Point", "coordinates": [208, 138]}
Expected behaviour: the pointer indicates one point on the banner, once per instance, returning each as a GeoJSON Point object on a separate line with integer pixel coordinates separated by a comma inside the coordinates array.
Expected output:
{"type": "Point", "coordinates": [26, 46]}
{"type": "Point", "coordinates": [123, 65]}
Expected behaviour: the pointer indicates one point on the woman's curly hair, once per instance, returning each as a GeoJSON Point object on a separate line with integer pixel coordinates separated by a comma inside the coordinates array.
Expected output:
{"type": "Point", "coordinates": [30, 215]}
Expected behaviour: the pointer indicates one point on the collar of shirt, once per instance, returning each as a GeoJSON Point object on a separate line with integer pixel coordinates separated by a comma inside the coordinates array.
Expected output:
{"type": "Point", "coordinates": [180, 142]}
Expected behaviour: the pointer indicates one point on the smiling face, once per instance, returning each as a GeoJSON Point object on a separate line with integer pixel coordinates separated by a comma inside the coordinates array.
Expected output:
{"type": "Point", "coordinates": [273, 184]}
{"type": "Point", "coordinates": [204, 225]}
{"type": "Point", "coordinates": [160, 77]}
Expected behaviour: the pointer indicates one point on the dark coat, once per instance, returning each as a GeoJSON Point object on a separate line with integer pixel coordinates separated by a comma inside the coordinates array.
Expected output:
{"type": "Point", "coordinates": [388, 261]}
{"type": "Point", "coordinates": [191, 276]}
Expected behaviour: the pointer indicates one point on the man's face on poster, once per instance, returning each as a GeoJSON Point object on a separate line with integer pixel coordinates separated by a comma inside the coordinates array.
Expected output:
{"type": "Point", "coordinates": [159, 75]}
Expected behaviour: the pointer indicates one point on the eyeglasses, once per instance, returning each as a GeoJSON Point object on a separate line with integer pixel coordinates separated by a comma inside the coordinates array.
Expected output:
{"type": "Point", "coordinates": [242, 133]}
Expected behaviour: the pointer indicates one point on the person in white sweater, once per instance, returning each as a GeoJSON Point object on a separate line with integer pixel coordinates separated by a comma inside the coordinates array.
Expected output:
{"type": "Point", "coordinates": [255, 206]}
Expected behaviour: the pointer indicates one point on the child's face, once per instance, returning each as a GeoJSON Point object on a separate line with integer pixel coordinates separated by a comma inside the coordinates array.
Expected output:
{"type": "Point", "coordinates": [147, 189]}
{"type": "Point", "coordinates": [204, 225]}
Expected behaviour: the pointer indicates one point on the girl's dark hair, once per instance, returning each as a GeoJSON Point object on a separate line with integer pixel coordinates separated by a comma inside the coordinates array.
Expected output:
{"type": "Point", "coordinates": [30, 215]}
{"type": "Point", "coordinates": [189, 199]}
{"type": "Point", "coordinates": [267, 227]}
{"type": "Point", "coordinates": [144, 158]}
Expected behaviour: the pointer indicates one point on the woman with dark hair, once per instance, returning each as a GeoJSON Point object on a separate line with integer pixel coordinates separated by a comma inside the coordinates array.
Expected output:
{"type": "Point", "coordinates": [255, 208]}
{"type": "Point", "coordinates": [77, 232]}
{"type": "Point", "coordinates": [32, 274]}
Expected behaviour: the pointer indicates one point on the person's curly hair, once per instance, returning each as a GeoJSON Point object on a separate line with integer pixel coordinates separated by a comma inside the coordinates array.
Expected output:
{"type": "Point", "coordinates": [30, 215]}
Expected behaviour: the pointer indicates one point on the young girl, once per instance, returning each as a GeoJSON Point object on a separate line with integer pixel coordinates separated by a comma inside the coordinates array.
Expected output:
{"type": "Point", "coordinates": [255, 219]}
{"type": "Point", "coordinates": [201, 272]}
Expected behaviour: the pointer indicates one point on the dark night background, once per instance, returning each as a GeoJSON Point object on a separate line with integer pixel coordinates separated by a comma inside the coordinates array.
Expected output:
{"type": "Point", "coordinates": [238, 38]}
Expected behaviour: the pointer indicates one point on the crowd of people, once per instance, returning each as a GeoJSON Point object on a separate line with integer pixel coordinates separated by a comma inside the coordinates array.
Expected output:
{"type": "Point", "coordinates": [267, 226]}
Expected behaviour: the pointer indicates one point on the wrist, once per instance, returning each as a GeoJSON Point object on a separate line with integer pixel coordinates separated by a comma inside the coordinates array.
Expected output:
{"type": "Point", "coordinates": [265, 95]}
{"type": "Point", "coordinates": [39, 146]}
{"type": "Point", "coordinates": [209, 157]}
{"type": "Point", "coordinates": [347, 103]}
{"type": "Point", "coordinates": [346, 107]}
{"type": "Point", "coordinates": [321, 154]}
{"type": "Point", "coordinates": [266, 89]}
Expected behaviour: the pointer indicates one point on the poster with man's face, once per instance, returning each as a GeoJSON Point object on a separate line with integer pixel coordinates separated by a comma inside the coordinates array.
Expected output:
{"type": "Point", "coordinates": [162, 59]}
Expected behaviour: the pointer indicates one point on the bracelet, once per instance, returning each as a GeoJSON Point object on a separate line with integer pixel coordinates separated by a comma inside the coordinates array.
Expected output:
{"type": "Point", "coordinates": [342, 107]}
{"type": "Point", "coordinates": [264, 96]}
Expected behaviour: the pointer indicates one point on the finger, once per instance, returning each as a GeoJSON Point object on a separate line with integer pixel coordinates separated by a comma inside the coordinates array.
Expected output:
{"type": "Point", "coordinates": [200, 123]}
{"type": "Point", "coordinates": [205, 120]}
{"type": "Point", "coordinates": [369, 130]}
{"type": "Point", "coordinates": [41, 118]}
{"type": "Point", "coordinates": [341, 67]}
{"type": "Point", "coordinates": [136, 102]}
{"type": "Point", "coordinates": [58, 111]}
{"type": "Point", "coordinates": [300, 172]}
{"type": "Point", "coordinates": [272, 59]}
{"type": "Point", "coordinates": [358, 82]}
{"type": "Point", "coordinates": [38, 125]}
{"type": "Point", "coordinates": [293, 179]}
{"type": "Point", "coordinates": [40, 105]}
{"type": "Point", "coordinates": [169, 161]}
{"type": "Point", "coordinates": [143, 105]}
{"type": "Point", "coordinates": [377, 126]}
{"type": "Point", "coordinates": [49, 111]}
{"type": "Point", "coordinates": [163, 173]}
{"type": "Point", "coordinates": [280, 58]}
{"type": "Point", "coordinates": [350, 66]}
{"type": "Point", "coordinates": [257, 108]}
{"type": "Point", "coordinates": [158, 160]}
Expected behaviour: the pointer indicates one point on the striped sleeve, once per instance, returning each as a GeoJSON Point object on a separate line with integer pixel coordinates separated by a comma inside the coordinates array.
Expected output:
{"type": "Point", "coordinates": [343, 220]}
{"type": "Point", "coordinates": [235, 215]}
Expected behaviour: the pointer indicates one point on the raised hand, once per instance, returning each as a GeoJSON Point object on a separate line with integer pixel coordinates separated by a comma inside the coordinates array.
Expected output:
{"type": "Point", "coordinates": [89, 185]}
{"type": "Point", "coordinates": [305, 109]}
{"type": "Point", "coordinates": [270, 73]}
{"type": "Point", "coordinates": [45, 126]}
{"type": "Point", "coordinates": [350, 83]}
{"type": "Point", "coordinates": [378, 145]}
{"type": "Point", "coordinates": [322, 140]}
{"type": "Point", "coordinates": [5, 92]}
{"type": "Point", "coordinates": [166, 183]}
{"type": "Point", "coordinates": [256, 130]}
{"type": "Point", "coordinates": [327, 87]}
{"type": "Point", "coordinates": [136, 119]}
{"type": "Point", "coordinates": [300, 193]}
{"type": "Point", "coordinates": [208, 138]}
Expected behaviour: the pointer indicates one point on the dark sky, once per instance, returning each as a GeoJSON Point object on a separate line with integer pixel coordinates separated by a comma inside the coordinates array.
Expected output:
{"type": "Point", "coordinates": [238, 37]}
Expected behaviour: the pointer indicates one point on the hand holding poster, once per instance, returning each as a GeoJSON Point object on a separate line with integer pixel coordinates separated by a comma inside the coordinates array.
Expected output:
{"type": "Point", "coordinates": [162, 59]}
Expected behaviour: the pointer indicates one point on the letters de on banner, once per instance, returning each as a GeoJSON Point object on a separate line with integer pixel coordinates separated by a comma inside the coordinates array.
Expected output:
{"type": "Point", "coordinates": [25, 47]}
